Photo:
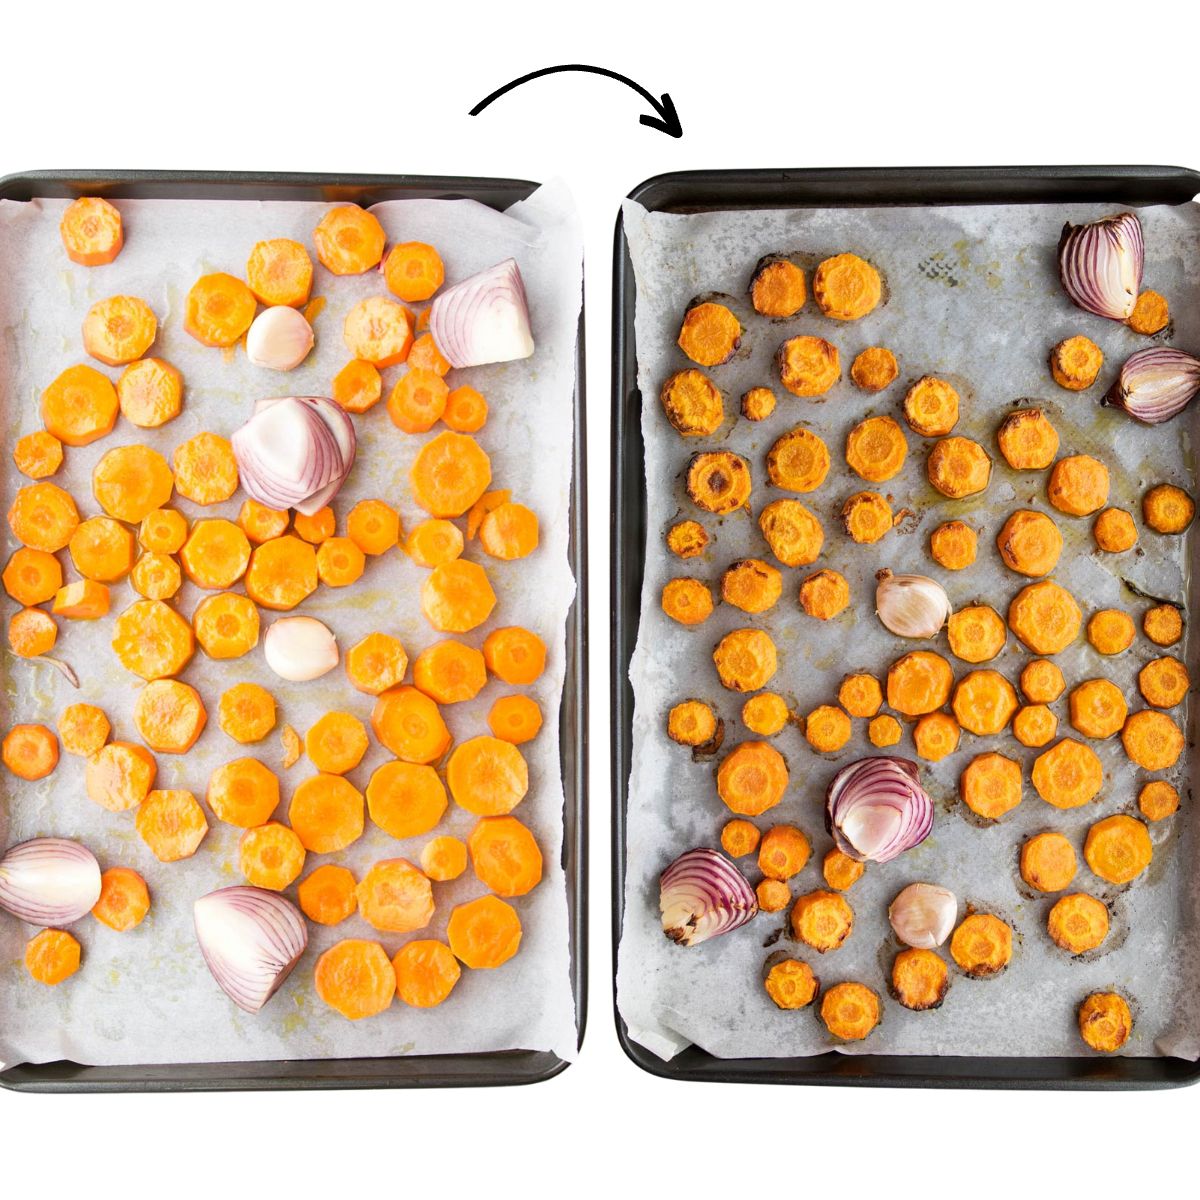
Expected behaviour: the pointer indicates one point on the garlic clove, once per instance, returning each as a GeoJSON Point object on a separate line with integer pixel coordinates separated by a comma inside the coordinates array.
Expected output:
{"type": "Point", "coordinates": [279, 338]}
{"type": "Point", "coordinates": [923, 915]}
{"type": "Point", "coordinates": [911, 606]}
{"type": "Point", "coordinates": [300, 648]}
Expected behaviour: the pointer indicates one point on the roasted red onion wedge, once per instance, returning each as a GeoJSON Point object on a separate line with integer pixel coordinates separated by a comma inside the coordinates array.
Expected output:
{"type": "Point", "coordinates": [702, 895]}
{"type": "Point", "coordinates": [1155, 384]}
{"type": "Point", "coordinates": [49, 881]}
{"type": "Point", "coordinates": [484, 319]}
{"type": "Point", "coordinates": [877, 809]}
{"type": "Point", "coordinates": [1100, 265]}
{"type": "Point", "coordinates": [251, 939]}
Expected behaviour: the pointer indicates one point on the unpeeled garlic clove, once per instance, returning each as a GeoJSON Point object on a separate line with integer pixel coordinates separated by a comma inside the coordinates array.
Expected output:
{"type": "Point", "coordinates": [300, 648]}
{"type": "Point", "coordinates": [923, 915]}
{"type": "Point", "coordinates": [911, 606]}
{"type": "Point", "coordinates": [279, 338]}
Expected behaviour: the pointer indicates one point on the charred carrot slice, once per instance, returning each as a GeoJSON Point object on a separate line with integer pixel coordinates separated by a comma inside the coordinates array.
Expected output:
{"type": "Point", "coordinates": [92, 232]}
{"type": "Point", "coordinates": [124, 899]}
{"type": "Point", "coordinates": [413, 271]}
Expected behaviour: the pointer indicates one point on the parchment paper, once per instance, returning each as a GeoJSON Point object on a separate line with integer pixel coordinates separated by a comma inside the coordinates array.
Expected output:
{"type": "Point", "coordinates": [146, 996]}
{"type": "Point", "coordinates": [971, 295]}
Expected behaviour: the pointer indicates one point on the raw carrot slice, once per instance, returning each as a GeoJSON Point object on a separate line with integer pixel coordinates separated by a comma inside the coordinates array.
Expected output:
{"type": "Point", "coordinates": [336, 743]}
{"type": "Point", "coordinates": [457, 597]}
{"type": "Point", "coordinates": [378, 331]}
{"type": "Point", "coordinates": [466, 410]}
{"type": "Point", "coordinates": [340, 562]}
{"type": "Point", "coordinates": [38, 455]}
{"type": "Point", "coordinates": [80, 406]}
{"type": "Point", "coordinates": [289, 739]}
{"type": "Point", "coordinates": [427, 356]}
{"type": "Point", "coordinates": [163, 531]}
{"type": "Point", "coordinates": [433, 542]}
{"type": "Point", "coordinates": [417, 401]}
{"type": "Point", "coordinates": [315, 528]}
{"type": "Point", "coordinates": [169, 715]}
{"type": "Point", "coordinates": [243, 793]}
{"type": "Point", "coordinates": [444, 858]}
{"type": "Point", "coordinates": [450, 672]}
{"type": "Point", "coordinates": [260, 523]}
{"type": "Point", "coordinates": [219, 310]}
{"type": "Point", "coordinates": [270, 856]}
{"type": "Point", "coordinates": [84, 600]}
{"type": "Point", "coordinates": [408, 723]}
{"type": "Point", "coordinates": [349, 240]}
{"type": "Point", "coordinates": [102, 549]}
{"type": "Point", "coordinates": [205, 469]}
{"type": "Point", "coordinates": [326, 811]}
{"type": "Point", "coordinates": [30, 751]}
{"type": "Point", "coordinates": [357, 387]}
{"type": "Point", "coordinates": [92, 232]}
{"type": "Point", "coordinates": [52, 956]}
{"type": "Point", "coordinates": [130, 482]}
{"type": "Point", "coordinates": [172, 824]}
{"type": "Point", "coordinates": [279, 271]}
{"type": "Point", "coordinates": [83, 728]}
{"type": "Point", "coordinates": [150, 393]}
{"type": "Point", "coordinates": [152, 640]}
{"type": "Point", "coordinates": [450, 474]}
{"type": "Point", "coordinates": [43, 517]}
{"type": "Point", "coordinates": [509, 531]}
{"type": "Point", "coordinates": [516, 655]}
{"type": "Point", "coordinates": [505, 856]}
{"type": "Point", "coordinates": [413, 271]}
{"type": "Point", "coordinates": [282, 573]}
{"type": "Point", "coordinates": [156, 576]}
{"type": "Point", "coordinates": [485, 504]}
{"type": "Point", "coordinates": [31, 632]}
{"type": "Point", "coordinates": [247, 712]}
{"type": "Point", "coordinates": [32, 576]}
{"type": "Point", "coordinates": [119, 330]}
{"type": "Point", "coordinates": [406, 799]}
{"type": "Point", "coordinates": [355, 978]}
{"type": "Point", "coordinates": [515, 719]}
{"type": "Point", "coordinates": [119, 776]}
{"type": "Point", "coordinates": [124, 899]}
{"type": "Point", "coordinates": [376, 664]}
{"type": "Point", "coordinates": [426, 972]}
{"type": "Point", "coordinates": [328, 895]}
{"type": "Point", "coordinates": [373, 526]}
{"type": "Point", "coordinates": [487, 777]}
{"type": "Point", "coordinates": [484, 933]}
{"type": "Point", "coordinates": [395, 897]}
{"type": "Point", "coordinates": [226, 625]}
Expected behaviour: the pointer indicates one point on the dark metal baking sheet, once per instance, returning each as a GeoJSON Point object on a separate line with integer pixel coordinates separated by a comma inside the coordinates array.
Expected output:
{"type": "Point", "coordinates": [435, 1070]}
{"type": "Point", "coordinates": [698, 191]}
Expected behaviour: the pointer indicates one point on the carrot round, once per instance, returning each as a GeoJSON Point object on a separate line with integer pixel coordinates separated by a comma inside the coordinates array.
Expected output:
{"type": "Point", "coordinates": [119, 330]}
{"type": "Point", "coordinates": [418, 400]}
{"type": "Point", "coordinates": [169, 716]}
{"type": "Point", "coordinates": [355, 978]}
{"type": "Point", "coordinates": [31, 632]}
{"type": "Point", "coordinates": [379, 331]}
{"type": "Point", "coordinates": [38, 455]}
{"type": "Point", "coordinates": [487, 777]}
{"type": "Point", "coordinates": [32, 576]}
{"type": "Point", "coordinates": [336, 743]}
{"type": "Point", "coordinates": [484, 933]}
{"type": "Point", "coordinates": [130, 482]}
{"type": "Point", "coordinates": [328, 895]}
{"type": "Point", "coordinates": [450, 473]}
{"type": "Point", "coordinates": [413, 271]}
{"type": "Point", "coordinates": [124, 899]}
{"type": "Point", "coordinates": [434, 542]}
{"type": "Point", "coordinates": [409, 724]}
{"type": "Point", "coordinates": [315, 528]}
{"type": "Point", "coordinates": [457, 597]}
{"type": "Point", "coordinates": [247, 712]}
{"type": "Point", "coordinates": [357, 387]}
{"type": "Point", "coordinates": [279, 271]}
{"type": "Point", "coordinates": [450, 672]}
{"type": "Point", "coordinates": [42, 516]}
{"type": "Point", "coordinates": [243, 793]}
{"type": "Point", "coordinates": [349, 240]}
{"type": "Point", "coordinates": [376, 664]}
{"type": "Point", "coordinates": [509, 531]}
{"type": "Point", "coordinates": [259, 523]}
{"type": "Point", "coordinates": [52, 956]}
{"type": "Point", "coordinates": [373, 526]}
{"type": "Point", "coordinates": [271, 856]}
{"type": "Point", "coordinates": [515, 719]}
{"type": "Point", "coordinates": [92, 231]}
{"type": "Point", "coordinates": [395, 897]}
{"type": "Point", "coordinates": [326, 811]}
{"type": "Point", "coordinates": [219, 309]}
{"type": "Point", "coordinates": [466, 410]}
{"type": "Point", "coordinates": [79, 406]}
{"type": "Point", "coordinates": [444, 858]}
{"type": "Point", "coordinates": [515, 655]}
{"type": "Point", "coordinates": [426, 972]}
{"type": "Point", "coordinates": [119, 776]}
{"type": "Point", "coordinates": [505, 856]}
{"type": "Point", "coordinates": [172, 824]}
{"type": "Point", "coordinates": [30, 751]}
{"type": "Point", "coordinates": [340, 562]}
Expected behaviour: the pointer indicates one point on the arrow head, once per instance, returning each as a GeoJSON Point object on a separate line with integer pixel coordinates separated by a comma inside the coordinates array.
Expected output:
{"type": "Point", "coordinates": [667, 120]}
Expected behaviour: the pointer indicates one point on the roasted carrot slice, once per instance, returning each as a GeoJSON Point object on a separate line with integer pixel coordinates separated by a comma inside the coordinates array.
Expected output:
{"type": "Point", "coordinates": [482, 507]}
{"type": "Point", "coordinates": [220, 308]}
{"type": "Point", "coordinates": [172, 824]}
{"type": "Point", "coordinates": [124, 899]}
{"type": "Point", "coordinates": [152, 640]}
{"type": "Point", "coordinates": [413, 271]}
{"type": "Point", "coordinates": [119, 330]}
{"type": "Point", "coordinates": [30, 751]}
{"type": "Point", "coordinates": [282, 573]}
{"type": "Point", "coordinates": [279, 271]}
{"type": "Point", "coordinates": [406, 799]}
{"type": "Point", "coordinates": [92, 232]}
{"type": "Point", "coordinates": [349, 240]}
{"type": "Point", "coordinates": [328, 895]}
{"type": "Point", "coordinates": [80, 406]}
{"type": "Point", "coordinates": [163, 531]}
{"type": "Point", "coordinates": [205, 469]}
{"type": "Point", "coordinates": [169, 716]}
{"type": "Point", "coordinates": [156, 576]}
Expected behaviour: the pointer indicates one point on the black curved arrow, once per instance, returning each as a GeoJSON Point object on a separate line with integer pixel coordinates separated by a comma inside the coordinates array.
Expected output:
{"type": "Point", "coordinates": [667, 120]}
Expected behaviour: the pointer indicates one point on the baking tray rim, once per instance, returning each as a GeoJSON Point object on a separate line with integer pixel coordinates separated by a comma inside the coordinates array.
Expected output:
{"type": "Point", "coordinates": [483, 1069]}
{"type": "Point", "coordinates": [775, 188]}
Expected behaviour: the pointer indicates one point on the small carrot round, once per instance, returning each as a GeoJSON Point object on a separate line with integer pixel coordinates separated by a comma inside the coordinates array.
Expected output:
{"type": "Point", "coordinates": [92, 232]}
{"type": "Point", "coordinates": [219, 309]}
{"type": "Point", "coordinates": [172, 824]}
{"type": "Point", "coordinates": [30, 751]}
{"type": "Point", "coordinates": [373, 526]}
{"type": "Point", "coordinates": [444, 858]}
{"type": "Point", "coordinates": [413, 271]}
{"type": "Point", "coordinates": [79, 406]}
{"type": "Point", "coordinates": [52, 956]}
{"type": "Point", "coordinates": [426, 972]}
{"type": "Point", "coordinates": [279, 271]}
{"type": "Point", "coordinates": [31, 632]}
{"type": "Point", "coordinates": [150, 393]}
{"type": "Point", "coordinates": [418, 400]}
{"type": "Point", "coordinates": [484, 933]}
{"type": "Point", "coordinates": [433, 542]}
{"type": "Point", "coordinates": [271, 856]}
{"type": "Point", "coordinates": [38, 455]}
{"type": "Point", "coordinates": [515, 655]}
{"type": "Point", "coordinates": [336, 743]}
{"type": "Point", "coordinates": [376, 664]}
{"type": "Point", "coordinates": [328, 895]}
{"type": "Point", "coordinates": [247, 712]}
{"type": "Point", "coordinates": [340, 562]}
{"type": "Point", "coordinates": [466, 410]}
{"type": "Point", "coordinates": [349, 240]}
{"type": "Point", "coordinates": [260, 523]}
{"type": "Point", "coordinates": [515, 719]}
{"type": "Point", "coordinates": [124, 899]}
{"type": "Point", "coordinates": [357, 387]}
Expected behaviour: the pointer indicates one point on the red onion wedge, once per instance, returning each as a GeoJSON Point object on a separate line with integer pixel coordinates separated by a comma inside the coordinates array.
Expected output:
{"type": "Point", "coordinates": [49, 881]}
{"type": "Point", "coordinates": [484, 319]}
{"type": "Point", "coordinates": [702, 895]}
{"type": "Point", "coordinates": [295, 452]}
{"type": "Point", "coordinates": [251, 939]}
{"type": "Point", "coordinates": [1155, 384]}
{"type": "Point", "coordinates": [1100, 265]}
{"type": "Point", "coordinates": [876, 808]}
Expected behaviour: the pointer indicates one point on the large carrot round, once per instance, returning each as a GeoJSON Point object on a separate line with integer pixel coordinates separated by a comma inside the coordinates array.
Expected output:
{"type": "Point", "coordinates": [355, 978]}
{"type": "Point", "coordinates": [279, 271]}
{"type": "Point", "coordinates": [426, 972]}
{"type": "Point", "coordinates": [406, 799]}
{"type": "Point", "coordinates": [487, 777]}
{"type": "Point", "coordinates": [505, 856]}
{"type": "Point", "coordinates": [395, 897]}
{"type": "Point", "coordinates": [219, 309]}
{"type": "Point", "coordinates": [119, 330]}
{"type": "Point", "coordinates": [80, 405]}
{"type": "Point", "coordinates": [326, 811]}
{"type": "Point", "coordinates": [408, 723]}
{"type": "Point", "coordinates": [484, 933]}
{"type": "Point", "coordinates": [30, 751]}
{"type": "Point", "coordinates": [449, 474]}
{"type": "Point", "coordinates": [413, 271]}
{"type": "Point", "coordinates": [349, 240]}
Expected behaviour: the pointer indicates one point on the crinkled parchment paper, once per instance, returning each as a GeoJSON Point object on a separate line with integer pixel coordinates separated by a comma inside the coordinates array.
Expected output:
{"type": "Point", "coordinates": [972, 295]}
{"type": "Point", "coordinates": [146, 996]}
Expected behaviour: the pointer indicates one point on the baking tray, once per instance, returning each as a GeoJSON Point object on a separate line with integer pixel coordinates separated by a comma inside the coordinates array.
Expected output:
{"type": "Point", "coordinates": [493, 1068]}
{"type": "Point", "coordinates": [701, 191]}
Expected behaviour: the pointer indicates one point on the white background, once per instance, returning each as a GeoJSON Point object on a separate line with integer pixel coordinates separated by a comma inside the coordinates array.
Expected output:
{"type": "Point", "coordinates": [364, 86]}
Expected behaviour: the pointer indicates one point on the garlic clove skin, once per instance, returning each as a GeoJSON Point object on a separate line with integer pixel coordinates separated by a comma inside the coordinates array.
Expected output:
{"type": "Point", "coordinates": [923, 915]}
{"type": "Point", "coordinates": [279, 338]}
{"type": "Point", "coordinates": [300, 649]}
{"type": "Point", "coordinates": [911, 606]}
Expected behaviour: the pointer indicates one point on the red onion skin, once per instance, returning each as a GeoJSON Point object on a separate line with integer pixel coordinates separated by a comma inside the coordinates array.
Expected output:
{"type": "Point", "coordinates": [1086, 256]}
{"type": "Point", "coordinates": [458, 309]}
{"type": "Point", "coordinates": [894, 781]}
{"type": "Point", "coordinates": [708, 892]}
{"type": "Point", "coordinates": [1163, 360]}
{"type": "Point", "coordinates": [45, 856]}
